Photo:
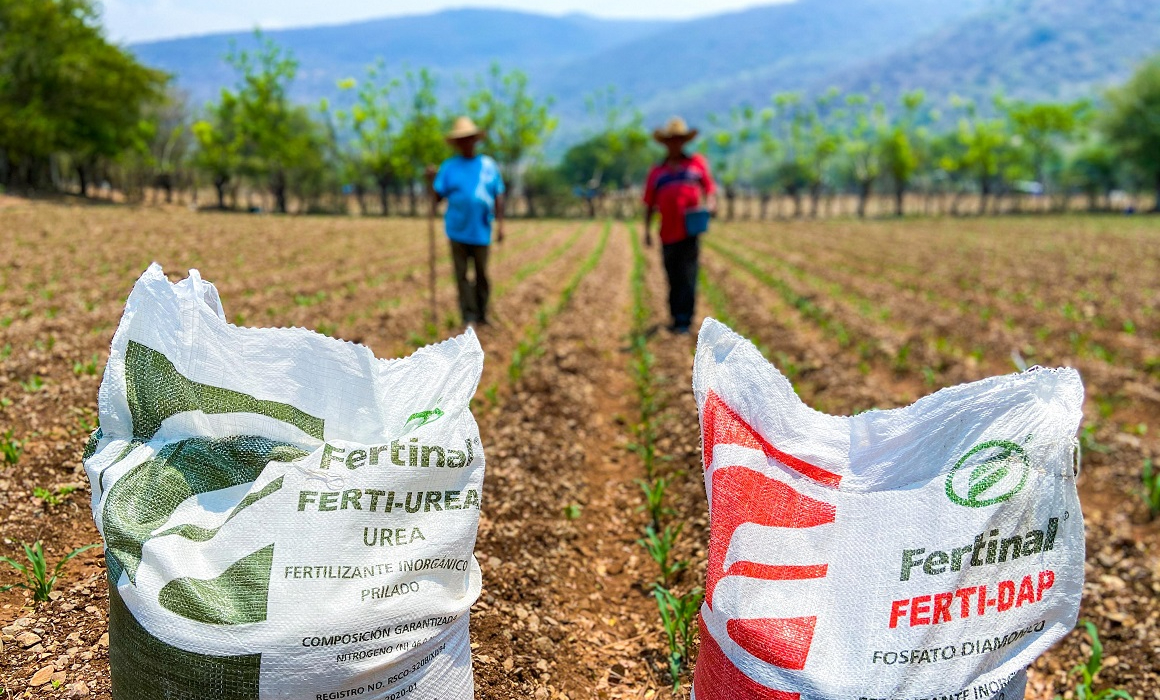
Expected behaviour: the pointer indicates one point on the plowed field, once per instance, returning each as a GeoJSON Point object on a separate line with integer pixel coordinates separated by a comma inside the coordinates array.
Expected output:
{"type": "Point", "coordinates": [857, 315]}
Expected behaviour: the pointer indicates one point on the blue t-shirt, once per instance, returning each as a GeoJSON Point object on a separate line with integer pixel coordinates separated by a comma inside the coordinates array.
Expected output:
{"type": "Point", "coordinates": [470, 187]}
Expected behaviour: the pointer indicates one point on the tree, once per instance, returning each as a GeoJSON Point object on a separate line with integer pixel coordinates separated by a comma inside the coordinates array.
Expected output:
{"type": "Point", "coordinates": [372, 123]}
{"type": "Point", "coordinates": [807, 137]}
{"type": "Point", "coordinates": [280, 142]}
{"type": "Point", "coordinates": [983, 142]}
{"type": "Point", "coordinates": [64, 89]}
{"type": "Point", "coordinates": [219, 144]}
{"type": "Point", "coordinates": [618, 155]}
{"type": "Point", "coordinates": [1041, 129]}
{"type": "Point", "coordinates": [1094, 169]}
{"type": "Point", "coordinates": [420, 141]}
{"type": "Point", "coordinates": [515, 121]}
{"type": "Point", "coordinates": [1132, 122]}
{"type": "Point", "coordinates": [172, 143]}
{"type": "Point", "coordinates": [864, 159]}
{"type": "Point", "coordinates": [900, 148]}
{"type": "Point", "coordinates": [731, 148]}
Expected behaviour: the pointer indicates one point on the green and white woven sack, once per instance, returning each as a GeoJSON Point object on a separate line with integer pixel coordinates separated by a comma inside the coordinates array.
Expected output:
{"type": "Point", "coordinates": [284, 515]}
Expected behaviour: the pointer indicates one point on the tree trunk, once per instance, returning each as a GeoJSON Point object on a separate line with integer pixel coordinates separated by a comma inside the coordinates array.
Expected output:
{"type": "Point", "coordinates": [414, 200]}
{"type": "Point", "coordinates": [764, 207]}
{"type": "Point", "coordinates": [84, 180]}
{"type": "Point", "coordinates": [219, 184]}
{"type": "Point", "coordinates": [730, 198]}
{"type": "Point", "coordinates": [900, 200]}
{"type": "Point", "coordinates": [1156, 204]}
{"type": "Point", "coordinates": [815, 199]}
{"type": "Point", "coordinates": [984, 193]}
{"type": "Point", "coordinates": [384, 195]}
{"type": "Point", "coordinates": [360, 197]}
{"type": "Point", "coordinates": [797, 203]}
{"type": "Point", "coordinates": [863, 197]}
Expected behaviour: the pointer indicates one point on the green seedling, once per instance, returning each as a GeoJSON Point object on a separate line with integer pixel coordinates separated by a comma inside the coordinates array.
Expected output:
{"type": "Point", "coordinates": [660, 548]}
{"type": "Point", "coordinates": [1088, 442]}
{"type": "Point", "coordinates": [87, 368]}
{"type": "Point", "coordinates": [34, 384]}
{"type": "Point", "coordinates": [902, 358]}
{"type": "Point", "coordinates": [309, 299]}
{"type": "Point", "coordinates": [1087, 672]}
{"type": "Point", "coordinates": [677, 615]}
{"type": "Point", "coordinates": [36, 577]}
{"type": "Point", "coordinates": [491, 393]}
{"type": "Point", "coordinates": [572, 511]}
{"type": "Point", "coordinates": [654, 499]}
{"type": "Point", "coordinates": [6, 351]}
{"type": "Point", "coordinates": [1150, 476]}
{"type": "Point", "coordinates": [928, 376]}
{"type": "Point", "coordinates": [53, 498]}
{"type": "Point", "coordinates": [327, 329]}
{"type": "Point", "coordinates": [11, 448]}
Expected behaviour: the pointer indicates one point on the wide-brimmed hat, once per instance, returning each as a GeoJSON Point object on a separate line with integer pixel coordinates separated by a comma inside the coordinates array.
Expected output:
{"type": "Point", "coordinates": [463, 128]}
{"type": "Point", "coordinates": [675, 128]}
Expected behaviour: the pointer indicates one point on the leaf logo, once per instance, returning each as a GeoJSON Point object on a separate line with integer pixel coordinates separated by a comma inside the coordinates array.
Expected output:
{"type": "Point", "coordinates": [425, 417]}
{"type": "Point", "coordinates": [991, 472]}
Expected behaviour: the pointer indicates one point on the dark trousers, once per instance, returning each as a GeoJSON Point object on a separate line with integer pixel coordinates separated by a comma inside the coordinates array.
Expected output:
{"type": "Point", "coordinates": [473, 293]}
{"type": "Point", "coordinates": [681, 267]}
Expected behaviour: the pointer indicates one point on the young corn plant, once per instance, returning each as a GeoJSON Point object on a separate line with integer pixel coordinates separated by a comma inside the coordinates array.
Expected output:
{"type": "Point", "coordinates": [37, 580]}
{"type": "Point", "coordinates": [11, 448]}
{"type": "Point", "coordinates": [53, 498]}
{"type": "Point", "coordinates": [1087, 672]}
{"type": "Point", "coordinates": [654, 500]}
{"type": "Point", "coordinates": [660, 548]}
{"type": "Point", "coordinates": [88, 367]}
{"type": "Point", "coordinates": [677, 615]}
{"type": "Point", "coordinates": [1151, 492]}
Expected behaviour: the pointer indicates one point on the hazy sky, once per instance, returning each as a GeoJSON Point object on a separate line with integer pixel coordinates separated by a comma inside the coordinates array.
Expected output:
{"type": "Point", "coordinates": [142, 20]}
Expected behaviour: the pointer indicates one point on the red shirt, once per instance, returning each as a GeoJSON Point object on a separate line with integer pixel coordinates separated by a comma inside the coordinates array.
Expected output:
{"type": "Point", "coordinates": [673, 189]}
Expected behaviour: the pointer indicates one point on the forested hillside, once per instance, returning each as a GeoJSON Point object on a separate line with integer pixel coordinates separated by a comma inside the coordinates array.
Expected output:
{"type": "Point", "coordinates": [1030, 49]}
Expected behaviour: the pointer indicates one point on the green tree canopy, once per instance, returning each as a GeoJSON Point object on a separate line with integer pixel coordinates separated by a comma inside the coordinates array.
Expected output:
{"type": "Point", "coordinates": [65, 90]}
{"type": "Point", "coordinates": [1132, 122]}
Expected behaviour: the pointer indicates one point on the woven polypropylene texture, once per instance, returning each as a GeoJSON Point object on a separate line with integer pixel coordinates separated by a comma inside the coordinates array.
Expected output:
{"type": "Point", "coordinates": [931, 551]}
{"type": "Point", "coordinates": [284, 515]}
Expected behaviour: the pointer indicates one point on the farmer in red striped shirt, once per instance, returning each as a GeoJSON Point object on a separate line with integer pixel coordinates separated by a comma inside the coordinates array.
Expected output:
{"type": "Point", "coordinates": [681, 188]}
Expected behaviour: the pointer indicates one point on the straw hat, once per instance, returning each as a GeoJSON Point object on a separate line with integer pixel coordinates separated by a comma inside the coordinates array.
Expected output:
{"type": "Point", "coordinates": [675, 128]}
{"type": "Point", "coordinates": [463, 128]}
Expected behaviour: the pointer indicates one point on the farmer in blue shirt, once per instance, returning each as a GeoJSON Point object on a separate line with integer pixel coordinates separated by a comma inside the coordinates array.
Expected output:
{"type": "Point", "coordinates": [474, 189]}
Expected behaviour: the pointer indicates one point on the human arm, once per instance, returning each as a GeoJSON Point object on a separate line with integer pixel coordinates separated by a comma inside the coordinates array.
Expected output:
{"type": "Point", "coordinates": [650, 202]}
{"type": "Point", "coordinates": [648, 217]}
{"type": "Point", "coordinates": [499, 202]}
{"type": "Point", "coordinates": [434, 182]}
{"type": "Point", "coordinates": [493, 181]}
{"type": "Point", "coordinates": [709, 184]}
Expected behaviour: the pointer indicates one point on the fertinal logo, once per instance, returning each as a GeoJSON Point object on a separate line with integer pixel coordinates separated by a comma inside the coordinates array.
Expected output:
{"type": "Point", "coordinates": [991, 472]}
{"type": "Point", "coordinates": [425, 417]}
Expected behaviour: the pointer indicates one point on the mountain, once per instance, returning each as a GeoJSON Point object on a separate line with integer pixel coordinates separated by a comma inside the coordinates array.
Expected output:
{"type": "Point", "coordinates": [1050, 49]}
{"type": "Point", "coordinates": [1030, 49]}
{"type": "Point", "coordinates": [455, 44]}
{"type": "Point", "coordinates": [713, 63]}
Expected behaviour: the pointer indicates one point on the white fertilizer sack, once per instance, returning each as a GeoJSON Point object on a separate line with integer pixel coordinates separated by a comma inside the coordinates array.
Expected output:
{"type": "Point", "coordinates": [284, 515]}
{"type": "Point", "coordinates": [928, 552]}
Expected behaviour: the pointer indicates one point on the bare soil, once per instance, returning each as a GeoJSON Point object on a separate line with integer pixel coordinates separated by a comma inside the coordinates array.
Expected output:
{"type": "Point", "coordinates": [895, 310]}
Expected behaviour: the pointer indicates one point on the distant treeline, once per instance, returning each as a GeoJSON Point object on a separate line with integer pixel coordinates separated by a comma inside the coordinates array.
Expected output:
{"type": "Point", "coordinates": [77, 111]}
